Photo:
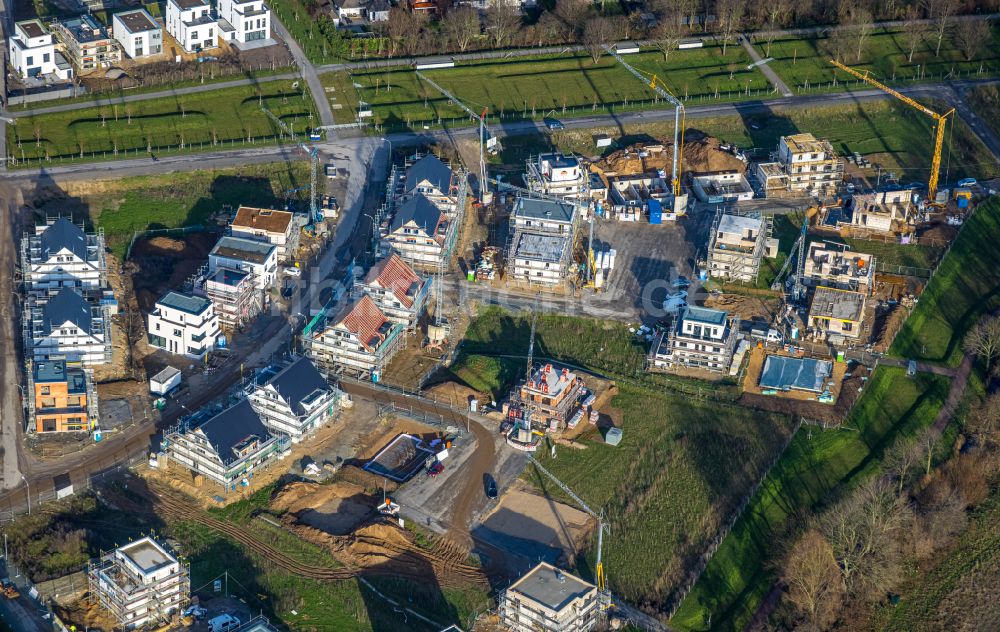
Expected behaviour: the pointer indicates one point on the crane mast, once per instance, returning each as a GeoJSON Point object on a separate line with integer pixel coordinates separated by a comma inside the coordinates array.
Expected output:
{"type": "Point", "coordinates": [313, 159]}
{"type": "Point", "coordinates": [940, 119]}
{"type": "Point", "coordinates": [482, 128]}
{"type": "Point", "coordinates": [679, 119]}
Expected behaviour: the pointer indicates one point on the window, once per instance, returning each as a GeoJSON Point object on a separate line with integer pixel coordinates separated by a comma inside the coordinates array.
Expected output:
{"type": "Point", "coordinates": [46, 390]}
{"type": "Point", "coordinates": [46, 58]}
{"type": "Point", "coordinates": [30, 60]}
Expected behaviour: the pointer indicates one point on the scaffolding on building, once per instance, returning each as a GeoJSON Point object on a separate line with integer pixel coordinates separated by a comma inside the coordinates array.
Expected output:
{"type": "Point", "coordinates": [31, 251]}
{"type": "Point", "coordinates": [116, 588]}
{"type": "Point", "coordinates": [236, 297]}
{"type": "Point", "coordinates": [734, 262]}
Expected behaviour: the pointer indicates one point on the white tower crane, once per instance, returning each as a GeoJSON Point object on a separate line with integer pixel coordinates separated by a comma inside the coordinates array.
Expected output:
{"type": "Point", "coordinates": [313, 153]}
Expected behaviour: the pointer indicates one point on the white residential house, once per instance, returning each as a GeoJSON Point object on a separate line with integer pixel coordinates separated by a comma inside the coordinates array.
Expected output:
{"type": "Point", "coordinates": [558, 174]}
{"type": "Point", "coordinates": [539, 258]}
{"type": "Point", "coordinates": [397, 289]}
{"type": "Point", "coordinates": [139, 34]}
{"type": "Point", "coordinates": [249, 255]}
{"type": "Point", "coordinates": [33, 52]}
{"type": "Point", "coordinates": [377, 11]}
{"type": "Point", "coordinates": [183, 324]}
{"type": "Point", "coordinates": [60, 254]}
{"type": "Point", "coordinates": [296, 400]}
{"type": "Point", "coordinates": [243, 22]}
{"type": "Point", "coordinates": [141, 584]}
{"type": "Point", "coordinates": [810, 163]}
{"type": "Point", "coordinates": [261, 224]}
{"type": "Point", "coordinates": [68, 328]}
{"type": "Point", "coordinates": [549, 599]}
{"type": "Point", "coordinates": [359, 339]}
{"type": "Point", "coordinates": [193, 24]}
{"type": "Point", "coordinates": [431, 178]}
{"type": "Point", "coordinates": [225, 448]}
{"type": "Point", "coordinates": [700, 338]}
{"type": "Point", "coordinates": [544, 216]}
{"type": "Point", "coordinates": [417, 232]}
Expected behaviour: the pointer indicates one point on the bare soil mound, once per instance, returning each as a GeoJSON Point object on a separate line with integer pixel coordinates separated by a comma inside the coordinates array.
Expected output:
{"type": "Point", "coordinates": [701, 153]}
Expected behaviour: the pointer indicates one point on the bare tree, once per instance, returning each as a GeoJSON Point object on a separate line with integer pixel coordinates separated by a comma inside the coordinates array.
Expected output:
{"type": "Point", "coordinates": [984, 340]}
{"type": "Point", "coordinates": [815, 585]}
{"type": "Point", "coordinates": [730, 15]}
{"type": "Point", "coordinates": [860, 22]}
{"type": "Point", "coordinates": [940, 12]}
{"type": "Point", "coordinates": [669, 33]}
{"type": "Point", "coordinates": [984, 420]}
{"type": "Point", "coordinates": [914, 32]}
{"type": "Point", "coordinates": [972, 35]}
{"type": "Point", "coordinates": [403, 30]}
{"type": "Point", "coordinates": [597, 34]}
{"type": "Point", "coordinates": [777, 14]}
{"type": "Point", "coordinates": [502, 21]}
{"type": "Point", "coordinates": [900, 459]}
{"type": "Point", "coordinates": [461, 27]}
{"type": "Point", "coordinates": [573, 14]}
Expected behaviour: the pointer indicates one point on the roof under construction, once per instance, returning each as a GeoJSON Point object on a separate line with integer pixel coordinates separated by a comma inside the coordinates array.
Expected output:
{"type": "Point", "coordinates": [539, 247]}
{"type": "Point", "coordinates": [550, 587]}
{"type": "Point", "coordinates": [262, 219]}
{"type": "Point", "coordinates": [830, 302]}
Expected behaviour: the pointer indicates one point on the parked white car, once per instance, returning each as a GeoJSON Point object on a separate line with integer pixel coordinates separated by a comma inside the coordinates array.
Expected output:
{"type": "Point", "coordinates": [222, 623]}
{"type": "Point", "coordinates": [295, 272]}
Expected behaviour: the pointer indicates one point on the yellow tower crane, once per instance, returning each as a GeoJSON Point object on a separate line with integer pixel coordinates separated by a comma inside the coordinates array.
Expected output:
{"type": "Point", "coordinates": [940, 119]}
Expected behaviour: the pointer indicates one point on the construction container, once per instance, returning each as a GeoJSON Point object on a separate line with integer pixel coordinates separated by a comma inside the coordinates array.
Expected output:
{"type": "Point", "coordinates": [165, 381]}
{"type": "Point", "coordinates": [614, 436]}
{"type": "Point", "coordinates": [655, 212]}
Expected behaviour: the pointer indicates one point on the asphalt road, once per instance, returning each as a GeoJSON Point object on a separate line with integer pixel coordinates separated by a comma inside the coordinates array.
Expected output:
{"type": "Point", "coordinates": [11, 411]}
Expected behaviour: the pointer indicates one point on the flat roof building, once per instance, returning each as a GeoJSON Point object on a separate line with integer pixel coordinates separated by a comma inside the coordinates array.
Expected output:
{"type": "Point", "coordinates": [721, 186]}
{"type": "Point", "coordinates": [256, 257]}
{"type": "Point", "coordinates": [558, 174]}
{"type": "Point", "coordinates": [836, 312]}
{"type": "Point", "coordinates": [183, 324]}
{"type": "Point", "coordinates": [138, 33]}
{"type": "Point", "coordinates": [33, 54]}
{"type": "Point", "coordinates": [737, 245]}
{"type": "Point", "coordinates": [539, 258]}
{"type": "Point", "coordinates": [699, 338]}
{"type": "Point", "coordinates": [60, 398]}
{"type": "Point", "coordinates": [261, 224]}
{"type": "Point", "coordinates": [842, 269]}
{"type": "Point", "coordinates": [87, 43]}
{"type": "Point", "coordinates": [549, 599]}
{"type": "Point", "coordinates": [543, 216]}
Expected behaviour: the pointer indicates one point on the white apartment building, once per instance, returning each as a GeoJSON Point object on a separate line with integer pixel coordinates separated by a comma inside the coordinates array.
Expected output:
{"type": "Point", "coordinates": [225, 448]}
{"type": "Point", "coordinates": [192, 23]}
{"type": "Point", "coordinates": [255, 257]}
{"type": "Point", "coordinates": [359, 340]}
{"type": "Point", "coordinates": [60, 254]}
{"type": "Point", "coordinates": [737, 245]}
{"type": "Point", "coordinates": [544, 216]}
{"type": "Point", "coordinates": [417, 232]}
{"type": "Point", "coordinates": [700, 338]}
{"type": "Point", "coordinates": [68, 328]}
{"type": "Point", "coordinates": [539, 258]}
{"type": "Point", "coordinates": [183, 324]}
{"type": "Point", "coordinates": [295, 401]}
{"type": "Point", "coordinates": [244, 21]}
{"type": "Point", "coordinates": [261, 224]}
{"type": "Point", "coordinates": [138, 33]}
{"type": "Point", "coordinates": [718, 187]}
{"type": "Point", "coordinates": [86, 43]}
{"type": "Point", "coordinates": [33, 53]}
{"type": "Point", "coordinates": [397, 289]}
{"type": "Point", "coordinates": [557, 174]}
{"type": "Point", "coordinates": [141, 584]}
{"type": "Point", "coordinates": [431, 178]}
{"type": "Point", "coordinates": [549, 599]}
{"type": "Point", "coordinates": [811, 164]}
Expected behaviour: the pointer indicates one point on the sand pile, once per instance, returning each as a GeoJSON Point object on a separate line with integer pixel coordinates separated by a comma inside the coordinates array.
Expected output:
{"type": "Point", "coordinates": [295, 497]}
{"type": "Point", "coordinates": [701, 153]}
{"type": "Point", "coordinates": [167, 244]}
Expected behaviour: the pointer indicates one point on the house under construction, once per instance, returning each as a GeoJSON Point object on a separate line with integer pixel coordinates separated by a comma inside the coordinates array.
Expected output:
{"type": "Point", "coordinates": [236, 297]}
{"type": "Point", "coordinates": [738, 243]}
{"type": "Point", "coordinates": [141, 584]}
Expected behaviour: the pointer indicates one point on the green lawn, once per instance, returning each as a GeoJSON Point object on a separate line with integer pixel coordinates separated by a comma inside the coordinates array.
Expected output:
{"type": "Point", "coordinates": [985, 101]}
{"type": "Point", "coordinates": [803, 63]}
{"type": "Point", "coordinates": [966, 285]}
{"type": "Point", "coordinates": [816, 463]}
{"type": "Point", "coordinates": [567, 85]}
{"type": "Point", "coordinates": [124, 206]}
{"type": "Point", "coordinates": [678, 474]}
{"type": "Point", "coordinates": [195, 121]}
{"type": "Point", "coordinates": [318, 38]}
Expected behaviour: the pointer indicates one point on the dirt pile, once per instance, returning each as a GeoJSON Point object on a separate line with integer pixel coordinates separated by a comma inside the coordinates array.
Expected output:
{"type": "Point", "coordinates": [745, 307]}
{"type": "Point", "coordinates": [701, 153]}
{"type": "Point", "coordinates": [295, 497]}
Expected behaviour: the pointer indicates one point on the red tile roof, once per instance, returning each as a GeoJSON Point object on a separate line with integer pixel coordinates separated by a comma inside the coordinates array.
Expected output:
{"type": "Point", "coordinates": [393, 274]}
{"type": "Point", "coordinates": [364, 319]}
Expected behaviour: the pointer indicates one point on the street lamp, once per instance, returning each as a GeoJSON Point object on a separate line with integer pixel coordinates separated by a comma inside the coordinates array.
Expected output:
{"type": "Point", "coordinates": [27, 488]}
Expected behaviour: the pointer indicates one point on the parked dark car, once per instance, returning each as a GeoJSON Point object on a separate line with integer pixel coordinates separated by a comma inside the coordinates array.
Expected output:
{"type": "Point", "coordinates": [435, 469]}
{"type": "Point", "coordinates": [490, 485]}
{"type": "Point", "coordinates": [554, 124]}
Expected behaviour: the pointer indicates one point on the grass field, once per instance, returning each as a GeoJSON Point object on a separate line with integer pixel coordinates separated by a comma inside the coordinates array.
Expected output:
{"type": "Point", "coordinates": [122, 207]}
{"type": "Point", "coordinates": [805, 62]}
{"type": "Point", "coordinates": [985, 101]}
{"type": "Point", "coordinates": [966, 285]}
{"type": "Point", "coordinates": [202, 119]}
{"type": "Point", "coordinates": [815, 464]}
{"type": "Point", "coordinates": [549, 86]}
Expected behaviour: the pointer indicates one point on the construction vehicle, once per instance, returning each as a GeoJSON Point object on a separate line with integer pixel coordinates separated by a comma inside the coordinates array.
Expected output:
{"type": "Point", "coordinates": [796, 255]}
{"type": "Point", "coordinates": [10, 590]}
{"type": "Point", "coordinates": [314, 213]}
{"type": "Point", "coordinates": [679, 203]}
{"type": "Point", "coordinates": [940, 120]}
{"type": "Point", "coordinates": [603, 594]}
{"type": "Point", "coordinates": [485, 135]}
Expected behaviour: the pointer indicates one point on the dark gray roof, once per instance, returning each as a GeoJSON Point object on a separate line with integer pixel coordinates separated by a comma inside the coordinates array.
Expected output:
{"type": "Point", "coordinates": [231, 427]}
{"type": "Point", "coordinates": [297, 381]}
{"type": "Point", "coordinates": [429, 168]}
{"type": "Point", "coordinates": [545, 209]}
{"type": "Point", "coordinates": [64, 234]}
{"type": "Point", "coordinates": [421, 211]}
{"type": "Point", "coordinates": [186, 303]}
{"type": "Point", "coordinates": [67, 305]}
